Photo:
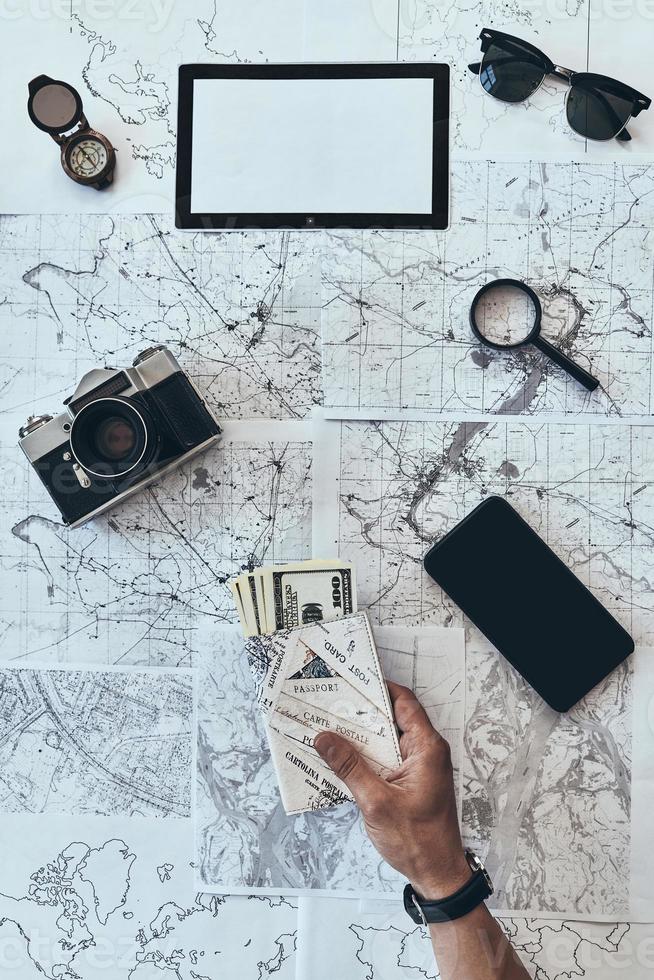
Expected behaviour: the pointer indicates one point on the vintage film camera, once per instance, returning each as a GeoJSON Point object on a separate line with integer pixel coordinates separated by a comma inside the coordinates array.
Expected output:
{"type": "Point", "coordinates": [123, 429]}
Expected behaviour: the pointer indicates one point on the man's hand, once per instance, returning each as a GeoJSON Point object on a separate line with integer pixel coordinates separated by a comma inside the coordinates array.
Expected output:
{"type": "Point", "coordinates": [411, 819]}
{"type": "Point", "coordinates": [411, 815]}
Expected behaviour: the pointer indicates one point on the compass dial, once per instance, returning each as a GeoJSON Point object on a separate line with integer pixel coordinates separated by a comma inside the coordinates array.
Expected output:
{"type": "Point", "coordinates": [87, 157]}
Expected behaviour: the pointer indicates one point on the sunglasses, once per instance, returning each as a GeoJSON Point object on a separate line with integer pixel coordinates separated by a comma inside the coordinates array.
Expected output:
{"type": "Point", "coordinates": [597, 107]}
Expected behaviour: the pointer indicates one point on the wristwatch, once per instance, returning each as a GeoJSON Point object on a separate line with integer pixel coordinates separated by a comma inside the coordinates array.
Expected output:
{"type": "Point", "coordinates": [473, 893]}
{"type": "Point", "coordinates": [87, 156]}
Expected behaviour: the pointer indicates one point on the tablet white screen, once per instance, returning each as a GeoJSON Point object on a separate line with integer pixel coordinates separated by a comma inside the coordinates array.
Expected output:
{"type": "Point", "coordinates": [311, 146]}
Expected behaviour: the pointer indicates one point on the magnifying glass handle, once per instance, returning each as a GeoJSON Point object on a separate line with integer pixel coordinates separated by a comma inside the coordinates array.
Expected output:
{"type": "Point", "coordinates": [577, 372]}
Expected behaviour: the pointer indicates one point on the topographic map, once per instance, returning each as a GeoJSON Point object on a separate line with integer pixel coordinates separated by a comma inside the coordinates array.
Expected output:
{"type": "Point", "coordinates": [396, 335]}
{"type": "Point", "coordinates": [387, 491]}
{"type": "Point", "coordinates": [244, 840]}
{"type": "Point", "coordinates": [115, 897]}
{"type": "Point", "coordinates": [131, 587]}
{"type": "Point", "coordinates": [377, 941]}
{"type": "Point", "coordinates": [241, 311]}
{"type": "Point", "coordinates": [108, 742]}
{"type": "Point", "coordinates": [555, 834]}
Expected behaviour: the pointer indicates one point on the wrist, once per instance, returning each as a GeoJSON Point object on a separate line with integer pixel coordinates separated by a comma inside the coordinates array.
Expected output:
{"type": "Point", "coordinates": [436, 883]}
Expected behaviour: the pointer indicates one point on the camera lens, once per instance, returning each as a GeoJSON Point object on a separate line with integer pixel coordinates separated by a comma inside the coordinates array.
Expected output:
{"type": "Point", "coordinates": [115, 438]}
{"type": "Point", "coordinates": [110, 437]}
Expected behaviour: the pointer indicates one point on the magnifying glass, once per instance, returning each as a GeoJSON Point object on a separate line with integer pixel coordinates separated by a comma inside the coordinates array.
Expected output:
{"type": "Point", "coordinates": [506, 314]}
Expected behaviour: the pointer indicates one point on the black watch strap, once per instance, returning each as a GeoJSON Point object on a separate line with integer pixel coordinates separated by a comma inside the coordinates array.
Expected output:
{"type": "Point", "coordinates": [468, 897]}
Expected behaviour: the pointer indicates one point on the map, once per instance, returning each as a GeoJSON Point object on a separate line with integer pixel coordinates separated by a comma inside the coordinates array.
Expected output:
{"type": "Point", "coordinates": [244, 840]}
{"type": "Point", "coordinates": [241, 315]}
{"type": "Point", "coordinates": [379, 942]}
{"type": "Point", "coordinates": [241, 312]}
{"type": "Point", "coordinates": [123, 58]}
{"type": "Point", "coordinates": [573, 33]}
{"type": "Point", "coordinates": [96, 895]}
{"type": "Point", "coordinates": [105, 742]}
{"type": "Point", "coordinates": [130, 587]}
{"type": "Point", "coordinates": [387, 491]}
{"type": "Point", "coordinates": [554, 833]}
{"type": "Point", "coordinates": [396, 335]}
{"type": "Point", "coordinates": [421, 660]}
{"type": "Point", "coordinates": [115, 897]}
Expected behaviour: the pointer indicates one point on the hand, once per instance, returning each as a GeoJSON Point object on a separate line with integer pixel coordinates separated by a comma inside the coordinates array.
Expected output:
{"type": "Point", "coordinates": [411, 815]}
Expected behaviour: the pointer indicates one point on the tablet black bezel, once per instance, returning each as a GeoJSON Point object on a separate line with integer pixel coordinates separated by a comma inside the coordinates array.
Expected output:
{"type": "Point", "coordinates": [438, 219]}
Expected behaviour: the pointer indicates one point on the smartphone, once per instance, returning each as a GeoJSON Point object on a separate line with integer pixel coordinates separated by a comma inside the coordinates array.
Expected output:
{"type": "Point", "coordinates": [529, 604]}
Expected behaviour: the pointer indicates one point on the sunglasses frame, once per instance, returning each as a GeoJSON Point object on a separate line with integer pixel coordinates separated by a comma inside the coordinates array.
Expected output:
{"type": "Point", "coordinates": [587, 80]}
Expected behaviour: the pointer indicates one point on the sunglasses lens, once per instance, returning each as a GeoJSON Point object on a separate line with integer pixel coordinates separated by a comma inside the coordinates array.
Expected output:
{"type": "Point", "coordinates": [596, 113]}
{"type": "Point", "coordinates": [510, 72]}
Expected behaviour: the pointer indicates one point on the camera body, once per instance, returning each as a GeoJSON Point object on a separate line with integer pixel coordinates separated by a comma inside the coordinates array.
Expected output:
{"type": "Point", "coordinates": [122, 429]}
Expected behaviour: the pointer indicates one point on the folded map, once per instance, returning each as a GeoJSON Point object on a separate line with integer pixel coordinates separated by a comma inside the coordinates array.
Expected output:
{"type": "Point", "coordinates": [322, 677]}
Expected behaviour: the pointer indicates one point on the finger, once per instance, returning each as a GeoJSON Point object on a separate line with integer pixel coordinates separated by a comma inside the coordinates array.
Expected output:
{"type": "Point", "coordinates": [350, 767]}
{"type": "Point", "coordinates": [411, 717]}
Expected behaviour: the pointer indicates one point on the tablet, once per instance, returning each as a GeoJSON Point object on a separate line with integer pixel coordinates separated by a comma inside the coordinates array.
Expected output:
{"type": "Point", "coordinates": [312, 146]}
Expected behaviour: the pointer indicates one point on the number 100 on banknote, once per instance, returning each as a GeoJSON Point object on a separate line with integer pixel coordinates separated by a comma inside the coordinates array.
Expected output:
{"type": "Point", "coordinates": [310, 595]}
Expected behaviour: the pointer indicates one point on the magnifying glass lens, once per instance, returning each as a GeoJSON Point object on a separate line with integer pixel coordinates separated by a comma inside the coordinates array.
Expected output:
{"type": "Point", "coordinates": [505, 316]}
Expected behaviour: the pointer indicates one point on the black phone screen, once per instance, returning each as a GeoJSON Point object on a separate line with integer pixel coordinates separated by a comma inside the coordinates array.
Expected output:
{"type": "Point", "coordinates": [528, 603]}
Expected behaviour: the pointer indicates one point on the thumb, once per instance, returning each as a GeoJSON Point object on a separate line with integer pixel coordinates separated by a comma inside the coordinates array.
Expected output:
{"type": "Point", "coordinates": [349, 765]}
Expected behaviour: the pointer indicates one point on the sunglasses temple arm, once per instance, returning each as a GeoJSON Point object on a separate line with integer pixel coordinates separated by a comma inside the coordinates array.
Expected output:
{"type": "Point", "coordinates": [475, 67]}
{"type": "Point", "coordinates": [574, 370]}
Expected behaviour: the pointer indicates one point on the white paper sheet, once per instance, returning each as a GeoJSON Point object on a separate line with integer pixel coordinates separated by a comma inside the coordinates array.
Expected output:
{"type": "Point", "coordinates": [642, 786]}
{"type": "Point", "coordinates": [576, 37]}
{"type": "Point", "coordinates": [96, 835]}
{"type": "Point", "coordinates": [123, 58]}
{"type": "Point", "coordinates": [352, 30]}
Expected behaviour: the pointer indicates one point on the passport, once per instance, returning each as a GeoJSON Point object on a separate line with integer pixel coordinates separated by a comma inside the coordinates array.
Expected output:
{"type": "Point", "coordinates": [322, 677]}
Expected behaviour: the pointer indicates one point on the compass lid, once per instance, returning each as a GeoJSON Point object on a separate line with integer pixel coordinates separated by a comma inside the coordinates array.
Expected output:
{"type": "Point", "coordinates": [54, 106]}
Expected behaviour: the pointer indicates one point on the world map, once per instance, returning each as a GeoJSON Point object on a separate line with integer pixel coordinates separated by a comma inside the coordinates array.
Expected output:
{"type": "Point", "coordinates": [125, 902]}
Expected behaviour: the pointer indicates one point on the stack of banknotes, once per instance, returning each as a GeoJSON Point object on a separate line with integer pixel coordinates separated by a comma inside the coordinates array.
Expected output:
{"type": "Point", "coordinates": [286, 596]}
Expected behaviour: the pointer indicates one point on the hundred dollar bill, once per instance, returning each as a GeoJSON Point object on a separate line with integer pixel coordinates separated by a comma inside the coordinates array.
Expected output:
{"type": "Point", "coordinates": [284, 596]}
{"type": "Point", "coordinates": [308, 592]}
{"type": "Point", "coordinates": [322, 677]}
{"type": "Point", "coordinates": [244, 592]}
{"type": "Point", "coordinates": [238, 602]}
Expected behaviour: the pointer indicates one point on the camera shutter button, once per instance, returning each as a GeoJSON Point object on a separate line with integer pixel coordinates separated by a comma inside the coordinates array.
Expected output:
{"type": "Point", "coordinates": [148, 352]}
{"type": "Point", "coordinates": [33, 422]}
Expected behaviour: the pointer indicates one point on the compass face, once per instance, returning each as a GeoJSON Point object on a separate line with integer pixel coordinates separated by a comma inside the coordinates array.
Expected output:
{"type": "Point", "coordinates": [87, 157]}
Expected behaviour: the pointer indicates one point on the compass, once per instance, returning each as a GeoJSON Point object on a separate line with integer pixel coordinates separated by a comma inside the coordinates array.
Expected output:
{"type": "Point", "coordinates": [87, 157]}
